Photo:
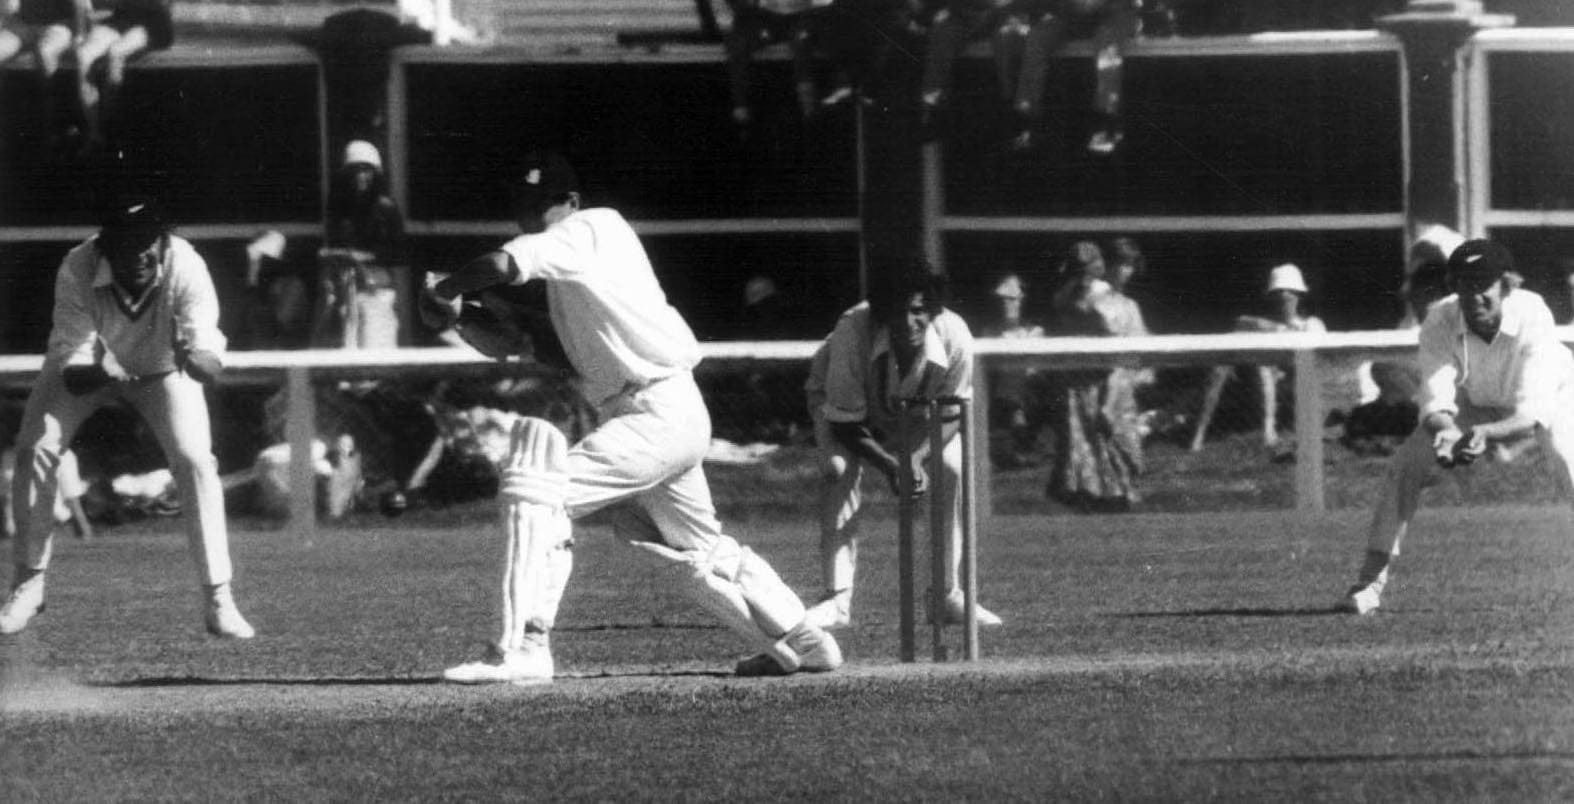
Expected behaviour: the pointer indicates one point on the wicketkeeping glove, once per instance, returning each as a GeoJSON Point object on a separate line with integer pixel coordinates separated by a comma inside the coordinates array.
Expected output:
{"type": "Point", "coordinates": [85, 379]}
{"type": "Point", "coordinates": [203, 365]}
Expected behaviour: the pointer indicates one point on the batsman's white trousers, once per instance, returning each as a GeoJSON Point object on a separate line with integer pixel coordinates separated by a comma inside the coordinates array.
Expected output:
{"type": "Point", "coordinates": [175, 408]}
{"type": "Point", "coordinates": [1414, 467]}
{"type": "Point", "coordinates": [841, 498]}
{"type": "Point", "coordinates": [649, 452]}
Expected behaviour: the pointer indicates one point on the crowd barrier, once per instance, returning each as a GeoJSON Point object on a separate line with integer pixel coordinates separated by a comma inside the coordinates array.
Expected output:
{"type": "Point", "coordinates": [1312, 355]}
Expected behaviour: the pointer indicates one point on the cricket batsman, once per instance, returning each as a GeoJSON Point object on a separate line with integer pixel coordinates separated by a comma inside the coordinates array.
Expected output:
{"type": "Point", "coordinates": [1494, 373]}
{"type": "Point", "coordinates": [902, 343]}
{"type": "Point", "coordinates": [135, 319]}
{"type": "Point", "coordinates": [635, 356]}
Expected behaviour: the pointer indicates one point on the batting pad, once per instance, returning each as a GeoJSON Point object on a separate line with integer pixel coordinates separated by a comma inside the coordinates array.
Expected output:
{"type": "Point", "coordinates": [538, 559]}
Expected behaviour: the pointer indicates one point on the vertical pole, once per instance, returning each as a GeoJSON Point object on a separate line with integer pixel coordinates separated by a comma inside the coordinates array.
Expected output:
{"type": "Point", "coordinates": [324, 145]}
{"type": "Point", "coordinates": [982, 469]}
{"type": "Point", "coordinates": [904, 534]}
{"type": "Point", "coordinates": [861, 121]}
{"type": "Point", "coordinates": [939, 534]}
{"type": "Point", "coordinates": [933, 212]}
{"type": "Point", "coordinates": [300, 430]}
{"type": "Point", "coordinates": [399, 182]}
{"type": "Point", "coordinates": [969, 491]}
{"type": "Point", "coordinates": [1309, 415]}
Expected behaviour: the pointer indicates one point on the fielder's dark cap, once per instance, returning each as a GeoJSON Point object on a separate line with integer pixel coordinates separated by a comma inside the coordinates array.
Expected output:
{"type": "Point", "coordinates": [1479, 262]}
{"type": "Point", "coordinates": [542, 176]}
{"type": "Point", "coordinates": [131, 223]}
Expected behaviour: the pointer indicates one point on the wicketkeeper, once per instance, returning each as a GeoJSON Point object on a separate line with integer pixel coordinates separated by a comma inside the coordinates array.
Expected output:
{"type": "Point", "coordinates": [635, 355]}
{"type": "Point", "coordinates": [1494, 373]}
{"type": "Point", "coordinates": [900, 344]}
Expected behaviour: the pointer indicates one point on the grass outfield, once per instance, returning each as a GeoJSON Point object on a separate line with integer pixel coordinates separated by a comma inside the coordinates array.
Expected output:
{"type": "Point", "coordinates": [1145, 657]}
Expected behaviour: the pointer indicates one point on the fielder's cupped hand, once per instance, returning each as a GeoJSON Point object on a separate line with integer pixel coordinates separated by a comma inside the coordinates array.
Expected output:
{"type": "Point", "coordinates": [1456, 447]}
{"type": "Point", "coordinates": [85, 379]}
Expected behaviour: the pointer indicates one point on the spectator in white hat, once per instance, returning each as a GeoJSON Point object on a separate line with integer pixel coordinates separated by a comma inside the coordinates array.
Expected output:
{"type": "Point", "coordinates": [1018, 395]}
{"type": "Point", "coordinates": [362, 262]}
{"type": "Point", "coordinates": [1286, 293]}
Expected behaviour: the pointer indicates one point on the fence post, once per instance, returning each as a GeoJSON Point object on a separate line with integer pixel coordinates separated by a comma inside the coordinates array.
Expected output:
{"type": "Point", "coordinates": [1309, 417]}
{"type": "Point", "coordinates": [300, 430]}
{"type": "Point", "coordinates": [983, 469]}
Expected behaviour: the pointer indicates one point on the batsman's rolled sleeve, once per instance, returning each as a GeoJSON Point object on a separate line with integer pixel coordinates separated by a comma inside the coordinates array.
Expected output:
{"type": "Point", "coordinates": [1526, 368]}
{"type": "Point", "coordinates": [606, 304]}
{"type": "Point", "coordinates": [89, 310]}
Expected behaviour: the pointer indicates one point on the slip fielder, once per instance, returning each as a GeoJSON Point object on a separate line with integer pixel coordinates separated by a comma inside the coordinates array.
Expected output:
{"type": "Point", "coordinates": [634, 354]}
{"type": "Point", "coordinates": [135, 319]}
{"type": "Point", "coordinates": [1494, 373]}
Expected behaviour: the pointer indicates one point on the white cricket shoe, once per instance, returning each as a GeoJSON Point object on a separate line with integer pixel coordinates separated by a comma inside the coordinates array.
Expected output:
{"type": "Point", "coordinates": [25, 601]}
{"type": "Point", "coordinates": [954, 612]}
{"type": "Point", "coordinates": [1361, 599]}
{"type": "Point", "coordinates": [223, 619]}
{"type": "Point", "coordinates": [806, 648]}
{"type": "Point", "coordinates": [831, 613]}
{"type": "Point", "coordinates": [531, 664]}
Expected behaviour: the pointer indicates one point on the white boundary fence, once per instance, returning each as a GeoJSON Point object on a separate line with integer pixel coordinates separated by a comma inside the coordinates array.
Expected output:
{"type": "Point", "coordinates": [1311, 355]}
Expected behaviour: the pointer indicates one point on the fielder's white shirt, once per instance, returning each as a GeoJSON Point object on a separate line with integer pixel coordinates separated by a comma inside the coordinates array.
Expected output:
{"type": "Point", "coordinates": [1526, 368]}
{"type": "Point", "coordinates": [854, 375]}
{"type": "Point", "coordinates": [608, 308]}
{"type": "Point", "coordinates": [94, 317]}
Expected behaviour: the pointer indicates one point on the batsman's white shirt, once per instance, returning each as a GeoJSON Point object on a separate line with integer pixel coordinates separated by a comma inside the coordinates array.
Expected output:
{"type": "Point", "coordinates": [91, 312]}
{"type": "Point", "coordinates": [1526, 368]}
{"type": "Point", "coordinates": [607, 307]}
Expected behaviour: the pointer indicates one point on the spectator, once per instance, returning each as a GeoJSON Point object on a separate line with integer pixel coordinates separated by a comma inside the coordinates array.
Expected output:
{"type": "Point", "coordinates": [1286, 294]}
{"type": "Point", "coordinates": [1036, 31]}
{"type": "Point", "coordinates": [1017, 395]}
{"type": "Point", "coordinates": [1094, 469]}
{"type": "Point", "coordinates": [957, 24]}
{"type": "Point", "coordinates": [864, 38]}
{"type": "Point", "coordinates": [1388, 411]}
{"type": "Point", "coordinates": [46, 28]}
{"type": "Point", "coordinates": [133, 27]}
{"type": "Point", "coordinates": [278, 313]}
{"type": "Point", "coordinates": [362, 262]}
{"type": "Point", "coordinates": [756, 24]}
{"type": "Point", "coordinates": [1123, 317]}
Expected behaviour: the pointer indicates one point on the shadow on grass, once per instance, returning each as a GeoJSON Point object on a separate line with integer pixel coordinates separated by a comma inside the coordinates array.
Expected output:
{"type": "Point", "coordinates": [1369, 759]}
{"type": "Point", "coordinates": [1303, 611]}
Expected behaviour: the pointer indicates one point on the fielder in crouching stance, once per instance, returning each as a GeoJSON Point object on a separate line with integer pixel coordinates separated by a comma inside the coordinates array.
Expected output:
{"type": "Point", "coordinates": [902, 343]}
{"type": "Point", "coordinates": [634, 354]}
{"type": "Point", "coordinates": [1493, 374]}
{"type": "Point", "coordinates": [135, 318]}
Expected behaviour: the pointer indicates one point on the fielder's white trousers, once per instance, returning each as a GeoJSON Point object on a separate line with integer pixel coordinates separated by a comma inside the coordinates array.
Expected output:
{"type": "Point", "coordinates": [175, 408]}
{"type": "Point", "coordinates": [1414, 467]}
{"type": "Point", "coordinates": [841, 497]}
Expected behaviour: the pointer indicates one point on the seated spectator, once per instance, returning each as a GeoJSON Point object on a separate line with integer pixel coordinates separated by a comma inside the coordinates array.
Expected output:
{"type": "Point", "coordinates": [278, 311]}
{"type": "Point", "coordinates": [133, 27]}
{"type": "Point", "coordinates": [45, 28]}
{"type": "Point", "coordinates": [757, 24]}
{"type": "Point", "coordinates": [437, 18]}
{"type": "Point", "coordinates": [1017, 396]}
{"type": "Point", "coordinates": [362, 263]}
{"type": "Point", "coordinates": [1286, 295]}
{"type": "Point", "coordinates": [1031, 36]}
{"type": "Point", "coordinates": [865, 39]}
{"type": "Point", "coordinates": [1388, 411]}
{"type": "Point", "coordinates": [957, 24]}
